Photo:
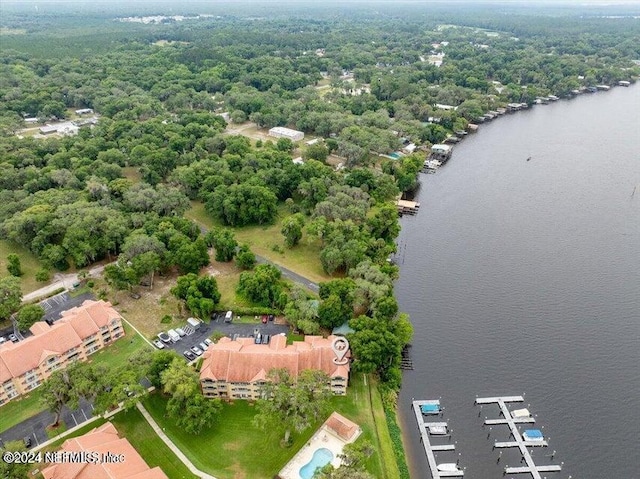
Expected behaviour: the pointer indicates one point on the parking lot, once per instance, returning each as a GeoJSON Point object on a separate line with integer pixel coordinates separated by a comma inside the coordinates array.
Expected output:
{"type": "Point", "coordinates": [195, 337]}
{"type": "Point", "coordinates": [55, 305]}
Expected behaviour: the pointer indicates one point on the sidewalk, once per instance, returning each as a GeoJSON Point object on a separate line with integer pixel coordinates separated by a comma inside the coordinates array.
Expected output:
{"type": "Point", "coordinates": [171, 445]}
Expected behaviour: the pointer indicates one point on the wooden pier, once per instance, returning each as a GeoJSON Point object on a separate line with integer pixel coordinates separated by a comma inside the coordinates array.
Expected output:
{"type": "Point", "coordinates": [519, 441]}
{"type": "Point", "coordinates": [406, 207]}
{"type": "Point", "coordinates": [406, 363]}
{"type": "Point", "coordinates": [429, 449]}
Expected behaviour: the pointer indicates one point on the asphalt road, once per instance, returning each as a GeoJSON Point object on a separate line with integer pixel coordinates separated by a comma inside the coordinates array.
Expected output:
{"type": "Point", "coordinates": [35, 427]}
{"type": "Point", "coordinates": [287, 273]}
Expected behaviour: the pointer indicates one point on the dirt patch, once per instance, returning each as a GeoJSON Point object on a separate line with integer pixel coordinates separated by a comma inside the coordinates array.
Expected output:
{"type": "Point", "coordinates": [238, 472]}
{"type": "Point", "coordinates": [154, 304]}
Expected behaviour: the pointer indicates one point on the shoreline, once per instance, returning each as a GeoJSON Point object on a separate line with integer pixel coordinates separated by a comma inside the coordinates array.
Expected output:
{"type": "Point", "coordinates": [405, 425]}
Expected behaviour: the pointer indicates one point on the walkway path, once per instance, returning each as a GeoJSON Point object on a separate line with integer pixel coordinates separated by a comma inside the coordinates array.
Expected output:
{"type": "Point", "coordinates": [65, 281]}
{"type": "Point", "coordinates": [171, 445]}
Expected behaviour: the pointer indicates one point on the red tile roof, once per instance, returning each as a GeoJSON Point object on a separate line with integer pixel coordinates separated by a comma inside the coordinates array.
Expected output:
{"type": "Point", "coordinates": [244, 361]}
{"type": "Point", "coordinates": [342, 426]}
{"type": "Point", "coordinates": [103, 440]}
{"type": "Point", "coordinates": [68, 332]}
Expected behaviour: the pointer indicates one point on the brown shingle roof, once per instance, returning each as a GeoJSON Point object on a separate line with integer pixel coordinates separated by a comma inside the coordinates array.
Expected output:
{"type": "Point", "coordinates": [244, 361]}
{"type": "Point", "coordinates": [103, 440]}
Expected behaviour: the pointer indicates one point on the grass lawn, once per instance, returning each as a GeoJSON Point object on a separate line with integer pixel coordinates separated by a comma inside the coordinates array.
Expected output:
{"type": "Point", "coordinates": [363, 405]}
{"type": "Point", "coordinates": [28, 263]}
{"type": "Point", "coordinates": [118, 353]}
{"type": "Point", "coordinates": [234, 448]}
{"type": "Point", "coordinates": [16, 411]}
{"type": "Point", "coordinates": [304, 259]}
{"type": "Point", "coordinates": [132, 425]}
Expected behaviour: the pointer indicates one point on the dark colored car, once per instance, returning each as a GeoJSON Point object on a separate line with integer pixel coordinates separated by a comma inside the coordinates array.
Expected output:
{"type": "Point", "coordinates": [189, 355]}
{"type": "Point", "coordinates": [27, 441]}
{"type": "Point", "coordinates": [264, 319]}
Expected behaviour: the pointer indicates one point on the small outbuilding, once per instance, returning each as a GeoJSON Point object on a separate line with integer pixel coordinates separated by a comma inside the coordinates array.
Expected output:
{"type": "Point", "coordinates": [282, 132]}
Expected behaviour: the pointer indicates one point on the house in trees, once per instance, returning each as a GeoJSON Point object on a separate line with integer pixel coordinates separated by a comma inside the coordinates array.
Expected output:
{"type": "Point", "coordinates": [100, 444]}
{"type": "Point", "coordinates": [79, 333]}
{"type": "Point", "coordinates": [238, 369]}
{"type": "Point", "coordinates": [282, 132]}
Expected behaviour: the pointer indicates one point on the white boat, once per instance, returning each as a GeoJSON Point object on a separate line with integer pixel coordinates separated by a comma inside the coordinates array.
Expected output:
{"type": "Point", "coordinates": [448, 467]}
{"type": "Point", "coordinates": [438, 430]}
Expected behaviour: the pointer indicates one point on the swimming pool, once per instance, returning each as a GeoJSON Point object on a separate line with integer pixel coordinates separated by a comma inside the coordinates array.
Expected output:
{"type": "Point", "coordinates": [394, 155]}
{"type": "Point", "coordinates": [321, 458]}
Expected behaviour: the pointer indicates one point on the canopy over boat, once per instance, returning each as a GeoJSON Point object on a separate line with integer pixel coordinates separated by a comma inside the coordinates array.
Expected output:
{"type": "Point", "coordinates": [520, 413]}
{"type": "Point", "coordinates": [430, 408]}
{"type": "Point", "coordinates": [533, 435]}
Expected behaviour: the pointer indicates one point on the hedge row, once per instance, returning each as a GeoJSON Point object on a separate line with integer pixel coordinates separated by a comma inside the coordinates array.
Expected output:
{"type": "Point", "coordinates": [396, 440]}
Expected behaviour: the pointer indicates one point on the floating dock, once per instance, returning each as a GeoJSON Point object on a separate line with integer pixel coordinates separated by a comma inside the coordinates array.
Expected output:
{"type": "Point", "coordinates": [522, 443]}
{"type": "Point", "coordinates": [433, 407]}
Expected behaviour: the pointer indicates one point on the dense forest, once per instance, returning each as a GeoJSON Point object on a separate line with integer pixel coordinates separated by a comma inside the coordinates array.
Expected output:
{"type": "Point", "coordinates": [363, 83]}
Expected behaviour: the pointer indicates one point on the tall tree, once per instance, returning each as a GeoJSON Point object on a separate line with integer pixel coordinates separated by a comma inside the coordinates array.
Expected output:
{"type": "Point", "coordinates": [292, 229]}
{"type": "Point", "coordinates": [10, 296]}
{"type": "Point", "coordinates": [28, 315]}
{"type": "Point", "coordinates": [13, 265]}
{"type": "Point", "coordinates": [296, 405]}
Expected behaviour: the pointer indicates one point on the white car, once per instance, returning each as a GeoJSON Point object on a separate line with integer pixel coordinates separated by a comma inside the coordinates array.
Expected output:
{"type": "Point", "coordinates": [158, 344]}
{"type": "Point", "coordinates": [196, 350]}
{"type": "Point", "coordinates": [203, 346]}
{"type": "Point", "coordinates": [181, 332]}
{"type": "Point", "coordinates": [208, 341]}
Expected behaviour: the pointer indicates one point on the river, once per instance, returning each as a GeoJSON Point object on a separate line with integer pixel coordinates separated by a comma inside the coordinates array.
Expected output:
{"type": "Point", "coordinates": [524, 277]}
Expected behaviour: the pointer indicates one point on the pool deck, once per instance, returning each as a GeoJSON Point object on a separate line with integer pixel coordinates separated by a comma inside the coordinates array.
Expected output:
{"type": "Point", "coordinates": [324, 437]}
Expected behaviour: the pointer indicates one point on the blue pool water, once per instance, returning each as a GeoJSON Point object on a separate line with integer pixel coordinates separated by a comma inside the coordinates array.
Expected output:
{"type": "Point", "coordinates": [394, 155]}
{"type": "Point", "coordinates": [320, 458]}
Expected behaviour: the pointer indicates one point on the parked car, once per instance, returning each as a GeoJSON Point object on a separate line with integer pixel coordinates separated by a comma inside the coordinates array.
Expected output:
{"type": "Point", "coordinates": [135, 295]}
{"type": "Point", "coordinates": [27, 441]}
{"type": "Point", "coordinates": [189, 355]}
{"type": "Point", "coordinates": [13, 338]}
{"type": "Point", "coordinates": [228, 317]}
{"type": "Point", "coordinates": [3, 339]}
{"type": "Point", "coordinates": [158, 344]}
{"type": "Point", "coordinates": [197, 351]}
{"type": "Point", "coordinates": [272, 317]}
{"type": "Point", "coordinates": [204, 346]}
{"type": "Point", "coordinates": [208, 341]}
{"type": "Point", "coordinates": [265, 318]}
{"type": "Point", "coordinates": [164, 337]}
{"type": "Point", "coordinates": [181, 332]}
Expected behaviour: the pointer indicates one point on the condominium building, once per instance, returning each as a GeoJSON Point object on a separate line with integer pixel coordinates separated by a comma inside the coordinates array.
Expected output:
{"type": "Point", "coordinates": [100, 454]}
{"type": "Point", "coordinates": [79, 333]}
{"type": "Point", "coordinates": [239, 369]}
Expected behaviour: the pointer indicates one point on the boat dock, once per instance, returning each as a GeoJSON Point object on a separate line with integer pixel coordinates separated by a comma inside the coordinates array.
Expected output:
{"type": "Point", "coordinates": [531, 438]}
{"type": "Point", "coordinates": [434, 429]}
{"type": "Point", "coordinates": [406, 207]}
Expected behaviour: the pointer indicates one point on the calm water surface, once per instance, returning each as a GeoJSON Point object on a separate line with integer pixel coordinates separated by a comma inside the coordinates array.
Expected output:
{"type": "Point", "coordinates": [524, 277]}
